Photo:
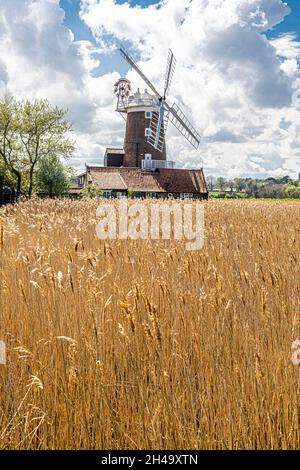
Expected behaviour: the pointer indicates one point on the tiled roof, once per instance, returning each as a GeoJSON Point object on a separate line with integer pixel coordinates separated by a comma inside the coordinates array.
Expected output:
{"type": "Point", "coordinates": [107, 180]}
{"type": "Point", "coordinates": [134, 179]}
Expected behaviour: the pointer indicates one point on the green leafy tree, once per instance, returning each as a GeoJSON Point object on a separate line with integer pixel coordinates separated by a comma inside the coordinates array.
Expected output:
{"type": "Point", "coordinates": [6, 179]}
{"type": "Point", "coordinates": [30, 132]}
{"type": "Point", "coordinates": [221, 183]}
{"type": "Point", "coordinates": [231, 185]}
{"type": "Point", "coordinates": [91, 191]}
{"type": "Point", "coordinates": [252, 188]}
{"type": "Point", "coordinates": [43, 130]}
{"type": "Point", "coordinates": [292, 189]}
{"type": "Point", "coordinates": [52, 178]}
{"type": "Point", "coordinates": [239, 184]}
{"type": "Point", "coordinates": [10, 147]}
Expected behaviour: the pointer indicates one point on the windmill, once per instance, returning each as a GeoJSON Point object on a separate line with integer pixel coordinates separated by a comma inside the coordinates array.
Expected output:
{"type": "Point", "coordinates": [141, 167]}
{"type": "Point", "coordinates": [163, 112]}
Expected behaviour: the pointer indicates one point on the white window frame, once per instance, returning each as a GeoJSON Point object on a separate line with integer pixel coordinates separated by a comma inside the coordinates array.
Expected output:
{"type": "Point", "coordinates": [148, 114]}
{"type": "Point", "coordinates": [187, 195]}
{"type": "Point", "coordinates": [148, 132]}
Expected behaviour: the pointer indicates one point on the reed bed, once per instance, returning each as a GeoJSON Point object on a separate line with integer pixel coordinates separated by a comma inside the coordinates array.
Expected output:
{"type": "Point", "coordinates": [143, 345]}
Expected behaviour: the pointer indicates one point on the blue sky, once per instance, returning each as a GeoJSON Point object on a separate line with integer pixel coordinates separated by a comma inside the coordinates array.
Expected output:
{"type": "Point", "coordinates": [291, 22]}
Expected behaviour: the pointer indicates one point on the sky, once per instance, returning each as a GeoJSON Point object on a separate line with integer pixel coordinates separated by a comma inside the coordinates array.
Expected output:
{"type": "Point", "coordinates": [237, 74]}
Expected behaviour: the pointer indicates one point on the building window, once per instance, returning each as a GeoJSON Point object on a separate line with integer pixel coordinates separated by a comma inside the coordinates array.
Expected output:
{"type": "Point", "coordinates": [187, 195]}
{"type": "Point", "coordinates": [107, 194]}
{"type": "Point", "coordinates": [148, 156]}
{"type": "Point", "coordinates": [147, 132]}
{"type": "Point", "coordinates": [148, 114]}
{"type": "Point", "coordinates": [151, 195]}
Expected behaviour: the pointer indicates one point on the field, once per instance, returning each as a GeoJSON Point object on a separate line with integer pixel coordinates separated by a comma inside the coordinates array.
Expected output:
{"type": "Point", "coordinates": [143, 345]}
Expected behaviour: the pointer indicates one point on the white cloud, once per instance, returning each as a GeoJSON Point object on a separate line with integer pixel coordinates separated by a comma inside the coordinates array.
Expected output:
{"type": "Point", "coordinates": [287, 46]}
{"type": "Point", "coordinates": [238, 87]}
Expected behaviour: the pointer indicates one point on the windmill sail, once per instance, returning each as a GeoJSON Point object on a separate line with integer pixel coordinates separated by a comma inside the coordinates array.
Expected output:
{"type": "Point", "coordinates": [169, 72]}
{"type": "Point", "coordinates": [158, 130]}
{"type": "Point", "coordinates": [160, 119]}
{"type": "Point", "coordinates": [131, 62]}
{"type": "Point", "coordinates": [181, 122]}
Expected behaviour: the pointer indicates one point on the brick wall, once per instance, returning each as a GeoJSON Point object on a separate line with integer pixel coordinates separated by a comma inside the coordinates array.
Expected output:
{"type": "Point", "coordinates": [135, 143]}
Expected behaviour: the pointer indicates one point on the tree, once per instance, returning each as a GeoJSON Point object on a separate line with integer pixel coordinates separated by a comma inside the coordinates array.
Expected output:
{"type": "Point", "coordinates": [43, 131]}
{"type": "Point", "coordinates": [252, 188]}
{"type": "Point", "coordinates": [220, 183]}
{"type": "Point", "coordinates": [6, 180]}
{"type": "Point", "coordinates": [239, 184]}
{"type": "Point", "coordinates": [51, 177]}
{"type": "Point", "coordinates": [292, 189]}
{"type": "Point", "coordinates": [91, 191]}
{"type": "Point", "coordinates": [30, 132]}
{"type": "Point", "coordinates": [231, 185]}
{"type": "Point", "coordinates": [10, 148]}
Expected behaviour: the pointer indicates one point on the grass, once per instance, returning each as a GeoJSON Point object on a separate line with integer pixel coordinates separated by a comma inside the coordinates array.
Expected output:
{"type": "Point", "coordinates": [143, 345]}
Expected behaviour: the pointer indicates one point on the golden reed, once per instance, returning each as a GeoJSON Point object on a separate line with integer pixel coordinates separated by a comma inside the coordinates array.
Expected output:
{"type": "Point", "coordinates": [143, 345]}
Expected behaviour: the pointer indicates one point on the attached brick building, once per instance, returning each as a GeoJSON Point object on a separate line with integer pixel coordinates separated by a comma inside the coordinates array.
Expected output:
{"type": "Point", "coordinates": [164, 183]}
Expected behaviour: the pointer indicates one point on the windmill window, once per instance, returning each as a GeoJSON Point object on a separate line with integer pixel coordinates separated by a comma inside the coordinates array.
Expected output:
{"type": "Point", "coordinates": [147, 132]}
{"type": "Point", "coordinates": [148, 114]}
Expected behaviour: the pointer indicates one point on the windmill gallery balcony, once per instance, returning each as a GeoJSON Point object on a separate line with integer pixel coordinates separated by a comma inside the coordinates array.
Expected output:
{"type": "Point", "coordinates": [152, 165]}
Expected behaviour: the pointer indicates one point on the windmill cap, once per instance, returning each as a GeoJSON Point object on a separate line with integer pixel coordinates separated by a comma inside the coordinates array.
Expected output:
{"type": "Point", "coordinates": [142, 99]}
{"type": "Point", "coordinates": [147, 95]}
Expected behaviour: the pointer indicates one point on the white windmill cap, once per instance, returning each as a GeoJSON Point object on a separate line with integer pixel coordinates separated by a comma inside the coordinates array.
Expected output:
{"type": "Point", "coordinates": [137, 94]}
{"type": "Point", "coordinates": [147, 95]}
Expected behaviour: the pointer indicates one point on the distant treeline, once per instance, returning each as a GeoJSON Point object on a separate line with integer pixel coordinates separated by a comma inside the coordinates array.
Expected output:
{"type": "Point", "coordinates": [281, 187]}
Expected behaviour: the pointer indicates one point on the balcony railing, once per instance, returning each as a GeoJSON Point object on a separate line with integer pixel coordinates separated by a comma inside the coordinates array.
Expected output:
{"type": "Point", "coordinates": [123, 105]}
{"type": "Point", "coordinates": [152, 165]}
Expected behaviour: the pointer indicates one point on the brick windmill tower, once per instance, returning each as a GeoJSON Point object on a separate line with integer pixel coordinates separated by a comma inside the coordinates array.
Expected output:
{"type": "Point", "coordinates": [147, 116]}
